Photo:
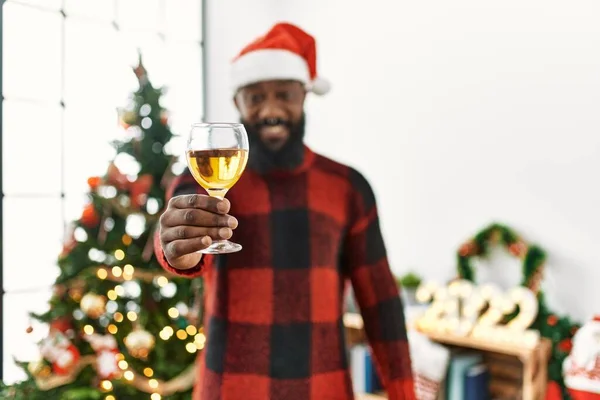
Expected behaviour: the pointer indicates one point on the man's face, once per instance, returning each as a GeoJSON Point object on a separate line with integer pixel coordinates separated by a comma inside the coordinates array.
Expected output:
{"type": "Point", "coordinates": [273, 109]}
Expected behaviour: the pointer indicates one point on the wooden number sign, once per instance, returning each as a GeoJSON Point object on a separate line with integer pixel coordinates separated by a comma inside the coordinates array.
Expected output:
{"type": "Point", "coordinates": [483, 312]}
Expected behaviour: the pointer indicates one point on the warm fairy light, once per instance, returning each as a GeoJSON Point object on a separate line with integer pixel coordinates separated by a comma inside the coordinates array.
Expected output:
{"type": "Point", "coordinates": [162, 281]}
{"type": "Point", "coordinates": [111, 294]}
{"type": "Point", "coordinates": [153, 383]}
{"type": "Point", "coordinates": [173, 312]}
{"type": "Point", "coordinates": [106, 385]}
{"type": "Point", "coordinates": [200, 338]}
{"type": "Point", "coordinates": [118, 317]}
{"type": "Point", "coordinates": [132, 316]}
{"type": "Point", "coordinates": [119, 255]}
{"type": "Point", "coordinates": [155, 396]}
{"type": "Point", "coordinates": [88, 329]}
{"type": "Point", "coordinates": [191, 330]}
{"type": "Point", "coordinates": [123, 364]}
{"type": "Point", "coordinates": [166, 333]}
{"type": "Point", "coordinates": [117, 271]}
{"type": "Point", "coordinates": [148, 372]}
{"type": "Point", "coordinates": [128, 375]}
{"type": "Point", "coordinates": [181, 334]}
{"type": "Point", "coordinates": [128, 271]}
{"type": "Point", "coordinates": [191, 347]}
{"type": "Point", "coordinates": [102, 274]}
{"type": "Point", "coordinates": [199, 345]}
{"type": "Point", "coordinates": [120, 290]}
{"type": "Point", "coordinates": [126, 239]}
{"type": "Point", "coordinates": [112, 328]}
{"type": "Point", "coordinates": [120, 356]}
{"type": "Point", "coordinates": [110, 397]}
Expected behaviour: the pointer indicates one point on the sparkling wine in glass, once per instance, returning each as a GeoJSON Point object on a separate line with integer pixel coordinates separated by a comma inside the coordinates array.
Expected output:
{"type": "Point", "coordinates": [217, 154]}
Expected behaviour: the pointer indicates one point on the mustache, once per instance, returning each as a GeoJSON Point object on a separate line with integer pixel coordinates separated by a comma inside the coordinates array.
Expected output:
{"type": "Point", "coordinates": [267, 122]}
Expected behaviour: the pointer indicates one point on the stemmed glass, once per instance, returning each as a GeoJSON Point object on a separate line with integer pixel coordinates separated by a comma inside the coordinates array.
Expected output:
{"type": "Point", "coordinates": [217, 154]}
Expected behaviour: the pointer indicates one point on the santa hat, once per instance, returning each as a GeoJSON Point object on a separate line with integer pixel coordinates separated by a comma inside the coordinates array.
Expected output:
{"type": "Point", "coordinates": [285, 52]}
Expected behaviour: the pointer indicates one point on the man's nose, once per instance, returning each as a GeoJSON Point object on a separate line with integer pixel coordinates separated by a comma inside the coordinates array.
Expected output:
{"type": "Point", "coordinates": [270, 109]}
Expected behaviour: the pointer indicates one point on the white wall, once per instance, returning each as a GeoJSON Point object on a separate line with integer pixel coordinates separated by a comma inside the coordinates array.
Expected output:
{"type": "Point", "coordinates": [460, 113]}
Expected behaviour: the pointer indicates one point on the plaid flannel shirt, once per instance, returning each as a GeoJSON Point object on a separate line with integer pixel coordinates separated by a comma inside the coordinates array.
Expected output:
{"type": "Point", "coordinates": [274, 311]}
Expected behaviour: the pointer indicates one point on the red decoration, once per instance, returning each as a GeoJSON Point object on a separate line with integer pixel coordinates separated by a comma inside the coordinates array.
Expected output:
{"type": "Point", "coordinates": [138, 189]}
{"type": "Point", "coordinates": [62, 324]}
{"type": "Point", "coordinates": [517, 249]}
{"type": "Point", "coordinates": [467, 249]}
{"type": "Point", "coordinates": [90, 217]}
{"type": "Point", "coordinates": [164, 118]}
{"type": "Point", "coordinates": [94, 182]}
{"type": "Point", "coordinates": [552, 320]}
{"type": "Point", "coordinates": [553, 391]}
{"type": "Point", "coordinates": [58, 349]}
{"type": "Point", "coordinates": [116, 178]}
{"type": "Point", "coordinates": [565, 345]}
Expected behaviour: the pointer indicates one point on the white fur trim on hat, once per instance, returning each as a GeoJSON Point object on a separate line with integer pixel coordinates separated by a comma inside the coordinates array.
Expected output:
{"type": "Point", "coordinates": [268, 64]}
{"type": "Point", "coordinates": [319, 86]}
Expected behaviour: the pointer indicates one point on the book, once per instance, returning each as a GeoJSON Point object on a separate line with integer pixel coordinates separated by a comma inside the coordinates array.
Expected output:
{"type": "Point", "coordinates": [363, 371]}
{"type": "Point", "coordinates": [459, 365]}
{"type": "Point", "coordinates": [477, 383]}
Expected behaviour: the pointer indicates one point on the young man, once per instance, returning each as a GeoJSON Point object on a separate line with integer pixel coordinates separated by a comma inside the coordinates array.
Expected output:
{"type": "Point", "coordinates": [308, 225]}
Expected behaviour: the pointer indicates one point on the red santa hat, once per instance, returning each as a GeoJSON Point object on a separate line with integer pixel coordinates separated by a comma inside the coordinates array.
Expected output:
{"type": "Point", "coordinates": [284, 52]}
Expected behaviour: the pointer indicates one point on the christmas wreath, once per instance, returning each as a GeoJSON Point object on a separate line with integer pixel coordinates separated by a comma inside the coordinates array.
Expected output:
{"type": "Point", "coordinates": [559, 330]}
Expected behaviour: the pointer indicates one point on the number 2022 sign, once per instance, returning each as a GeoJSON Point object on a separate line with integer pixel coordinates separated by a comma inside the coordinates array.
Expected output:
{"type": "Point", "coordinates": [479, 312]}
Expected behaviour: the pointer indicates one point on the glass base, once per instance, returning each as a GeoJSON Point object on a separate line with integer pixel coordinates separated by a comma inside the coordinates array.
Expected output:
{"type": "Point", "coordinates": [222, 247]}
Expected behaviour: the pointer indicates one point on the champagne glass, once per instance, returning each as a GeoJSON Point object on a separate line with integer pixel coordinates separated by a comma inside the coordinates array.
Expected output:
{"type": "Point", "coordinates": [217, 154]}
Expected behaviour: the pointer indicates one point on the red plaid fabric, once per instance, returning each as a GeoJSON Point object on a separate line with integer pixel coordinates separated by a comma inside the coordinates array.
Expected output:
{"type": "Point", "coordinates": [274, 310]}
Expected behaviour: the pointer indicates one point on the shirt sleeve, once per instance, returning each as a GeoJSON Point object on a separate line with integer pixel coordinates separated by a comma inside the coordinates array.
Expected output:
{"type": "Point", "coordinates": [377, 294]}
{"type": "Point", "coordinates": [183, 184]}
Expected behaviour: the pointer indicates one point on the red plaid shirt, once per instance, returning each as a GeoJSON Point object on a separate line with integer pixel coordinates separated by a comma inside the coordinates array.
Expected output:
{"type": "Point", "coordinates": [274, 310]}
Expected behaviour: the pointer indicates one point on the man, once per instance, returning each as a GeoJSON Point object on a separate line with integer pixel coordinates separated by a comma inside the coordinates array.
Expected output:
{"type": "Point", "coordinates": [307, 225]}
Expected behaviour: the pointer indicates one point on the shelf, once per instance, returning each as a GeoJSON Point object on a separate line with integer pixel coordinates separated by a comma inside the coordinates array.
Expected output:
{"type": "Point", "coordinates": [530, 368]}
{"type": "Point", "coordinates": [486, 345]}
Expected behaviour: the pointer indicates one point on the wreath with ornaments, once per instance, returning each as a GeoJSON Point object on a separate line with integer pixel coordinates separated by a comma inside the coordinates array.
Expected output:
{"type": "Point", "coordinates": [560, 330]}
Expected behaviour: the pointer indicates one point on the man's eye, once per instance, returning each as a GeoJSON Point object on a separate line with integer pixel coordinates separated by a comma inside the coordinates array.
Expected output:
{"type": "Point", "coordinates": [286, 95]}
{"type": "Point", "coordinates": [256, 98]}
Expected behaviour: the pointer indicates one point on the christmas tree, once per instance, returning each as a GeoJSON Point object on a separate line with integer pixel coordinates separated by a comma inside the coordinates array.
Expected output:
{"type": "Point", "coordinates": [119, 326]}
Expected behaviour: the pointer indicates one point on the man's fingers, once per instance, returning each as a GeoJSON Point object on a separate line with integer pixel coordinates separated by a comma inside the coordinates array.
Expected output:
{"type": "Point", "coordinates": [200, 201]}
{"type": "Point", "coordinates": [189, 232]}
{"type": "Point", "coordinates": [196, 217]}
{"type": "Point", "coordinates": [182, 247]}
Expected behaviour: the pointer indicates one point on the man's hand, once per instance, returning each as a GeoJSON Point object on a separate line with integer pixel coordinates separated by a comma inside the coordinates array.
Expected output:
{"type": "Point", "coordinates": [189, 224]}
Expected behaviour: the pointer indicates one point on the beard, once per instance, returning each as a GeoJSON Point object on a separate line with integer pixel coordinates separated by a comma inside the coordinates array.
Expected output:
{"type": "Point", "coordinates": [262, 159]}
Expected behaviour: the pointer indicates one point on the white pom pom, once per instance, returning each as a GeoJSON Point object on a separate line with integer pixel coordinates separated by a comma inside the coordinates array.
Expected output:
{"type": "Point", "coordinates": [320, 86]}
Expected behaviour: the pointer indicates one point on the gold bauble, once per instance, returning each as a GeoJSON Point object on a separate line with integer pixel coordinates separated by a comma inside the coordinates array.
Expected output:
{"type": "Point", "coordinates": [93, 305]}
{"type": "Point", "coordinates": [35, 367]}
{"type": "Point", "coordinates": [139, 343]}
